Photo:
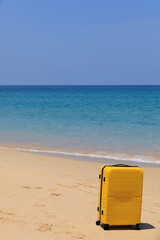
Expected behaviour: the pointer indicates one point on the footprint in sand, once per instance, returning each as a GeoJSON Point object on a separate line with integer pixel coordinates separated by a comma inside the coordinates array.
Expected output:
{"type": "Point", "coordinates": [86, 185]}
{"type": "Point", "coordinates": [38, 205]}
{"type": "Point", "coordinates": [38, 188]}
{"type": "Point", "coordinates": [55, 194]}
{"type": "Point", "coordinates": [11, 220]}
{"type": "Point", "coordinates": [68, 232]}
{"type": "Point", "coordinates": [78, 236]}
{"type": "Point", "coordinates": [26, 187]}
{"type": "Point", "coordinates": [5, 212]}
{"type": "Point", "coordinates": [44, 227]}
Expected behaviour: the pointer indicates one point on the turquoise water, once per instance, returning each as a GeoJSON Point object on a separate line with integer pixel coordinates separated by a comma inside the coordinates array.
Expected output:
{"type": "Point", "coordinates": [119, 122]}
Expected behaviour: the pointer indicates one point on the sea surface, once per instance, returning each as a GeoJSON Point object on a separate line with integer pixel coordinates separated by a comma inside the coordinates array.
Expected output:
{"type": "Point", "coordinates": [117, 122]}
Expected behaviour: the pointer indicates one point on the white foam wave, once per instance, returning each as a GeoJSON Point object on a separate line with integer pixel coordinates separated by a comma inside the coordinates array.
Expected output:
{"type": "Point", "coordinates": [114, 156]}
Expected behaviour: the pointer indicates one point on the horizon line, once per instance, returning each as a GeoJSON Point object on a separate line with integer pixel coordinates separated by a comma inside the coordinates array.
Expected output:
{"type": "Point", "coordinates": [5, 85]}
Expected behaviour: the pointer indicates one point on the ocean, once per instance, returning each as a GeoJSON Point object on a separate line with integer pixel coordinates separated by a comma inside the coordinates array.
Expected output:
{"type": "Point", "coordinates": [107, 122]}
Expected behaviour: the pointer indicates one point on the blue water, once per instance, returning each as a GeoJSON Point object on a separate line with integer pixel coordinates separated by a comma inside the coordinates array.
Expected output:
{"type": "Point", "coordinates": [122, 122]}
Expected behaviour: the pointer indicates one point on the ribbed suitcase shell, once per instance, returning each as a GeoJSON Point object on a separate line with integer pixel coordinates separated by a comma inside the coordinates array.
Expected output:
{"type": "Point", "coordinates": [120, 195]}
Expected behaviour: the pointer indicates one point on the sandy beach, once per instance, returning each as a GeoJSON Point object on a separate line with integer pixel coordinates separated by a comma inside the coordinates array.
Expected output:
{"type": "Point", "coordinates": [44, 197]}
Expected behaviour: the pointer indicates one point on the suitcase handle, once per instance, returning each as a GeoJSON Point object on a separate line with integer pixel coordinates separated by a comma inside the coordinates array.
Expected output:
{"type": "Point", "coordinates": [122, 165]}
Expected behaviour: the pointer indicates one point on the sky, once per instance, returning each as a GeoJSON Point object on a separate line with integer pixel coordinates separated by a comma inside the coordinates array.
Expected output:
{"type": "Point", "coordinates": [73, 42]}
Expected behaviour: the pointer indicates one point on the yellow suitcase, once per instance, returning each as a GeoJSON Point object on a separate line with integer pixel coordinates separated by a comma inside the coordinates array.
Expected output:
{"type": "Point", "coordinates": [120, 195]}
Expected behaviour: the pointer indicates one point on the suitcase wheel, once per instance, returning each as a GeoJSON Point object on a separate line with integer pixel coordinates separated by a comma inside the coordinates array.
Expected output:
{"type": "Point", "coordinates": [137, 226]}
{"type": "Point", "coordinates": [105, 226]}
{"type": "Point", "coordinates": [98, 222]}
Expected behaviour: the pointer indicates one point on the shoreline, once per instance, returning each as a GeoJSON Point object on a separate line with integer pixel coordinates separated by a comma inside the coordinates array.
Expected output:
{"type": "Point", "coordinates": [105, 161]}
{"type": "Point", "coordinates": [46, 197]}
{"type": "Point", "coordinates": [85, 156]}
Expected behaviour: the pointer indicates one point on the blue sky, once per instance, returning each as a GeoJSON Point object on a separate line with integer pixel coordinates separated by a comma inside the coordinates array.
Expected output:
{"type": "Point", "coordinates": [79, 42]}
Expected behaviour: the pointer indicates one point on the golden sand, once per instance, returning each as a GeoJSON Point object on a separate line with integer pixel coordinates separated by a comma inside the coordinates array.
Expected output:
{"type": "Point", "coordinates": [43, 197]}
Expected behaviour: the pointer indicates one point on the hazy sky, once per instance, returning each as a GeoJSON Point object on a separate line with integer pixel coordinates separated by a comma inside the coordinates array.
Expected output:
{"type": "Point", "coordinates": [79, 42]}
